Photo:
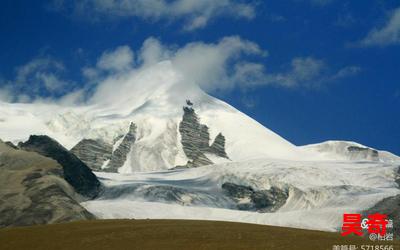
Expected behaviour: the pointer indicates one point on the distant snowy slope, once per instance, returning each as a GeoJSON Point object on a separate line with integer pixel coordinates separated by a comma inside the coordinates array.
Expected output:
{"type": "Point", "coordinates": [345, 150]}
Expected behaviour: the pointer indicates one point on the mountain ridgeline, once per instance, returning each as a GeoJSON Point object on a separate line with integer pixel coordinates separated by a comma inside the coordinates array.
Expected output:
{"type": "Point", "coordinates": [195, 142]}
{"type": "Point", "coordinates": [93, 152]}
{"type": "Point", "coordinates": [120, 154]}
{"type": "Point", "coordinates": [101, 156]}
{"type": "Point", "coordinates": [35, 189]}
{"type": "Point", "coordinates": [76, 173]}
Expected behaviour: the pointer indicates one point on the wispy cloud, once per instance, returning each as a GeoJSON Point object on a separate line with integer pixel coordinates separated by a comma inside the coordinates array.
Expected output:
{"type": "Point", "coordinates": [229, 63]}
{"type": "Point", "coordinates": [212, 66]}
{"type": "Point", "coordinates": [387, 34]}
{"type": "Point", "coordinates": [307, 72]}
{"type": "Point", "coordinates": [195, 14]}
{"type": "Point", "coordinates": [41, 76]}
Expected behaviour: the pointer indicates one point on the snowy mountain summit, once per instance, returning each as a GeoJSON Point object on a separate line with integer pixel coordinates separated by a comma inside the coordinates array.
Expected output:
{"type": "Point", "coordinates": [161, 144]}
{"type": "Point", "coordinates": [154, 121]}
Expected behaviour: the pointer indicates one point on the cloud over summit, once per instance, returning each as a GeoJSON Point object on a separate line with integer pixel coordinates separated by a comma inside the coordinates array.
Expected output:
{"type": "Point", "coordinates": [232, 62]}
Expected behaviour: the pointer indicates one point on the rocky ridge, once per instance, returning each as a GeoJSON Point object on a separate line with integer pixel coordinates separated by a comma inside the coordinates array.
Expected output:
{"type": "Point", "coordinates": [33, 191]}
{"type": "Point", "coordinates": [259, 200]}
{"type": "Point", "coordinates": [75, 172]}
{"type": "Point", "coordinates": [356, 153]}
{"type": "Point", "coordinates": [100, 156]}
{"type": "Point", "coordinates": [93, 153]}
{"type": "Point", "coordinates": [120, 155]}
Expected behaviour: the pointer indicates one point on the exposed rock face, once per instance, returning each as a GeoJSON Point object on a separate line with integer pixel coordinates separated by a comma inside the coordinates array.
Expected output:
{"type": "Point", "coordinates": [195, 139]}
{"type": "Point", "coordinates": [33, 191]}
{"type": "Point", "coordinates": [249, 199]}
{"type": "Point", "coordinates": [93, 152]}
{"type": "Point", "coordinates": [171, 194]}
{"type": "Point", "coordinates": [218, 146]}
{"type": "Point", "coordinates": [190, 130]}
{"type": "Point", "coordinates": [119, 156]}
{"type": "Point", "coordinates": [76, 172]}
{"type": "Point", "coordinates": [363, 153]}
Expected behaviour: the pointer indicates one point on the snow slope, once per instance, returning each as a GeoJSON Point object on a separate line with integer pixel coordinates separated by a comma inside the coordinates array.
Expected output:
{"type": "Point", "coordinates": [319, 192]}
{"type": "Point", "coordinates": [153, 100]}
{"type": "Point", "coordinates": [339, 150]}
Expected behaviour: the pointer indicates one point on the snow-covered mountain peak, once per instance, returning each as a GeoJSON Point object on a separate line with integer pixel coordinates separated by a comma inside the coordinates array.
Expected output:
{"type": "Point", "coordinates": [153, 98]}
{"type": "Point", "coordinates": [154, 88]}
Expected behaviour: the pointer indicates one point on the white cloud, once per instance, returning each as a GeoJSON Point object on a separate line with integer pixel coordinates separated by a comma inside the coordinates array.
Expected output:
{"type": "Point", "coordinates": [39, 77]}
{"type": "Point", "coordinates": [250, 74]}
{"type": "Point", "coordinates": [153, 51]}
{"type": "Point", "coordinates": [113, 61]}
{"type": "Point", "coordinates": [118, 60]}
{"type": "Point", "coordinates": [388, 34]}
{"type": "Point", "coordinates": [310, 72]}
{"type": "Point", "coordinates": [304, 69]}
{"type": "Point", "coordinates": [195, 13]}
{"type": "Point", "coordinates": [224, 65]}
{"type": "Point", "coordinates": [347, 72]}
{"type": "Point", "coordinates": [213, 66]}
{"type": "Point", "coordinates": [40, 64]}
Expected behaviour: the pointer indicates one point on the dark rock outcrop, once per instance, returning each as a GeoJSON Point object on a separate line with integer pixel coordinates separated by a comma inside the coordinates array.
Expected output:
{"type": "Point", "coordinates": [195, 139]}
{"type": "Point", "coordinates": [189, 103]}
{"type": "Point", "coordinates": [218, 146]}
{"type": "Point", "coordinates": [363, 153]}
{"type": "Point", "coordinates": [75, 172]}
{"type": "Point", "coordinates": [171, 194]}
{"type": "Point", "coordinates": [119, 156]}
{"type": "Point", "coordinates": [249, 199]}
{"type": "Point", "coordinates": [237, 191]}
{"type": "Point", "coordinates": [33, 191]}
{"type": "Point", "coordinates": [93, 152]}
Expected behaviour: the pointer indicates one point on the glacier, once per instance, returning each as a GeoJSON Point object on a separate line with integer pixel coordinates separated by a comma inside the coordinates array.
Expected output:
{"type": "Point", "coordinates": [320, 192]}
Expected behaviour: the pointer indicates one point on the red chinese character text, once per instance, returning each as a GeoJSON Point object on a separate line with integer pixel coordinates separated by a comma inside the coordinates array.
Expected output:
{"type": "Point", "coordinates": [351, 224]}
{"type": "Point", "coordinates": [377, 224]}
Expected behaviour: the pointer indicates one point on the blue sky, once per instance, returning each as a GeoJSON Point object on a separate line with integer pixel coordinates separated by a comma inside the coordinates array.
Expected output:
{"type": "Point", "coordinates": [311, 70]}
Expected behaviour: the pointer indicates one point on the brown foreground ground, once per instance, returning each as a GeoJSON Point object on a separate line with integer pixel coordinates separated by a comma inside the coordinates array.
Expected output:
{"type": "Point", "coordinates": [170, 234]}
